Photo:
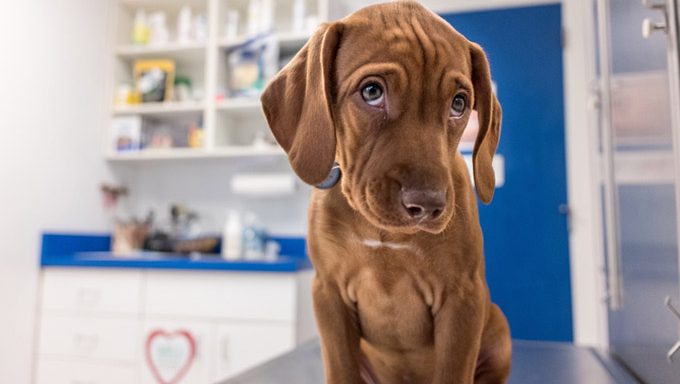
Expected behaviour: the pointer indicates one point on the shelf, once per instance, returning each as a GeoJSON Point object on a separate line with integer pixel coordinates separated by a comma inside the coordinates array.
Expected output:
{"type": "Point", "coordinates": [165, 5]}
{"type": "Point", "coordinates": [240, 106]}
{"type": "Point", "coordinates": [644, 167]}
{"type": "Point", "coordinates": [288, 41]}
{"type": "Point", "coordinates": [166, 108]}
{"type": "Point", "coordinates": [192, 153]}
{"type": "Point", "coordinates": [179, 51]}
{"type": "Point", "coordinates": [291, 42]}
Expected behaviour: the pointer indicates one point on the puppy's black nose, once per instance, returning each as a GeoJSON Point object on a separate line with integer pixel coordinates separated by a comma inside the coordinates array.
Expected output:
{"type": "Point", "coordinates": [423, 204]}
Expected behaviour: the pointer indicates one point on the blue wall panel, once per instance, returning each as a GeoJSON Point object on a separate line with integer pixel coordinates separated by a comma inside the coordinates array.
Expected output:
{"type": "Point", "coordinates": [525, 236]}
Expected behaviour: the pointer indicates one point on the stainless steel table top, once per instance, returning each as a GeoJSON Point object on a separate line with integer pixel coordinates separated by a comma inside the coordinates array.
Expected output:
{"type": "Point", "coordinates": [533, 363]}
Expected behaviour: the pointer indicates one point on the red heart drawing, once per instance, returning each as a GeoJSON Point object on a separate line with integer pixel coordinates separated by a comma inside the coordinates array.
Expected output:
{"type": "Point", "coordinates": [182, 367]}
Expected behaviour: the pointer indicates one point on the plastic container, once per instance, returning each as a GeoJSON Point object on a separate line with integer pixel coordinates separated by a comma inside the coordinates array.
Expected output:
{"type": "Point", "coordinates": [299, 15]}
{"type": "Point", "coordinates": [201, 28]}
{"type": "Point", "coordinates": [232, 236]}
{"type": "Point", "coordinates": [251, 65]}
{"type": "Point", "coordinates": [184, 25]}
{"type": "Point", "coordinates": [254, 10]}
{"type": "Point", "coordinates": [159, 33]}
{"type": "Point", "coordinates": [253, 239]}
{"type": "Point", "coordinates": [140, 29]}
{"type": "Point", "coordinates": [182, 90]}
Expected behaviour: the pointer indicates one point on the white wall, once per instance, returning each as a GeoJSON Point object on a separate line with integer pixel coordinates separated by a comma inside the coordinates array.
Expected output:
{"type": "Point", "coordinates": [52, 67]}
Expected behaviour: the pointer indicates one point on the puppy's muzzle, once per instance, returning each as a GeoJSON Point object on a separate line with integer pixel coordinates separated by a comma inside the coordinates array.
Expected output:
{"type": "Point", "coordinates": [423, 204]}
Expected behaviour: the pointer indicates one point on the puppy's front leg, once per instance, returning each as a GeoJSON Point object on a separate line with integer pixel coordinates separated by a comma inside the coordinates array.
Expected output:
{"type": "Point", "coordinates": [457, 335]}
{"type": "Point", "coordinates": [339, 333]}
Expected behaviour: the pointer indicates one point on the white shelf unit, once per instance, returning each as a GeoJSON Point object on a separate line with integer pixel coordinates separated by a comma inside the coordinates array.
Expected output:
{"type": "Point", "coordinates": [229, 125]}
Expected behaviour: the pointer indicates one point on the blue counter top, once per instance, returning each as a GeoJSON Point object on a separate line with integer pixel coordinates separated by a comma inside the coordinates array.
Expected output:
{"type": "Point", "coordinates": [92, 250]}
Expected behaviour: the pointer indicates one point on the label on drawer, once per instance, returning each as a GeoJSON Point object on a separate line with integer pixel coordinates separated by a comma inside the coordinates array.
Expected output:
{"type": "Point", "coordinates": [170, 355]}
{"type": "Point", "coordinates": [75, 336]}
{"type": "Point", "coordinates": [92, 290]}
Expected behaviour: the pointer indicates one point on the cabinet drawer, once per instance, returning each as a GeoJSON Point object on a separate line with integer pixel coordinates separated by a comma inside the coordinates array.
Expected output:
{"type": "Point", "coordinates": [241, 346]}
{"type": "Point", "coordinates": [247, 296]}
{"type": "Point", "coordinates": [70, 372]}
{"type": "Point", "coordinates": [92, 290]}
{"type": "Point", "coordinates": [74, 336]}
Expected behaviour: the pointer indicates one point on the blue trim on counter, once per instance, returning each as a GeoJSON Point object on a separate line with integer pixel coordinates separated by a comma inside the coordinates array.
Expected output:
{"type": "Point", "coordinates": [69, 243]}
{"type": "Point", "coordinates": [92, 250]}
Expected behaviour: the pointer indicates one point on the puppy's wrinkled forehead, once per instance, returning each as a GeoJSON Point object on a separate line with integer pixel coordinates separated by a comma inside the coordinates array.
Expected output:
{"type": "Point", "coordinates": [404, 33]}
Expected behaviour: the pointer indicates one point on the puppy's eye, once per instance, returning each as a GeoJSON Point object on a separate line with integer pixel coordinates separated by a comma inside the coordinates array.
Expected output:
{"type": "Point", "coordinates": [458, 106]}
{"type": "Point", "coordinates": [373, 94]}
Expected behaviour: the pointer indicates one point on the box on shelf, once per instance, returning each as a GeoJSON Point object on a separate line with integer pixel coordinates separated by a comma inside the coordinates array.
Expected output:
{"type": "Point", "coordinates": [134, 133]}
{"type": "Point", "coordinates": [251, 65]}
{"type": "Point", "coordinates": [154, 80]}
{"type": "Point", "coordinates": [172, 134]}
{"type": "Point", "coordinates": [127, 133]}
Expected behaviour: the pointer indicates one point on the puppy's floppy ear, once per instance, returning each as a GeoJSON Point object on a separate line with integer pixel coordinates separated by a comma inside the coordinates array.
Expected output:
{"type": "Point", "coordinates": [297, 105]}
{"type": "Point", "coordinates": [489, 115]}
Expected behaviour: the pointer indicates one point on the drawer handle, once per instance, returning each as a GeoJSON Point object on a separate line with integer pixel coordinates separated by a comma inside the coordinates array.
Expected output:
{"type": "Point", "coordinates": [88, 297]}
{"type": "Point", "coordinates": [671, 307]}
{"type": "Point", "coordinates": [86, 343]}
{"type": "Point", "coordinates": [676, 347]}
{"type": "Point", "coordinates": [224, 349]}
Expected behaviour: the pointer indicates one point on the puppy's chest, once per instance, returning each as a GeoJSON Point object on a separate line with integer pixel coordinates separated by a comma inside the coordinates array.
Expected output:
{"type": "Point", "coordinates": [394, 302]}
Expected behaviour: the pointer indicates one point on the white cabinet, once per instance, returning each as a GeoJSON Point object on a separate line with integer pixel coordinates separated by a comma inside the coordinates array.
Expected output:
{"type": "Point", "coordinates": [100, 326]}
{"type": "Point", "coordinates": [243, 345]}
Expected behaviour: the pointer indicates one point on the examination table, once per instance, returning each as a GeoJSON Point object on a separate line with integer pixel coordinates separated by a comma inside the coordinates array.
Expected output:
{"type": "Point", "coordinates": [533, 363]}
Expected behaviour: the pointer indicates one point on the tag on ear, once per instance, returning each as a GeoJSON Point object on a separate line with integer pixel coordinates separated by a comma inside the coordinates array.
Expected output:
{"type": "Point", "coordinates": [332, 179]}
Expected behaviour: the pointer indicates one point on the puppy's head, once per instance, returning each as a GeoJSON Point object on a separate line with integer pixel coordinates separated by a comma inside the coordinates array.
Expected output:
{"type": "Point", "coordinates": [386, 93]}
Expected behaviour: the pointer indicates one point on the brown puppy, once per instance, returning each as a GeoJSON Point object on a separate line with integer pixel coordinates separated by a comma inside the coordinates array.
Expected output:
{"type": "Point", "coordinates": [400, 293]}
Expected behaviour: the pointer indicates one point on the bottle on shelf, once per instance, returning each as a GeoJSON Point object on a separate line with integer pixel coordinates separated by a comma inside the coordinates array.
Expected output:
{"type": "Point", "coordinates": [184, 25]}
{"type": "Point", "coordinates": [140, 29]}
{"type": "Point", "coordinates": [253, 238]}
{"type": "Point", "coordinates": [232, 236]}
{"type": "Point", "coordinates": [299, 15]}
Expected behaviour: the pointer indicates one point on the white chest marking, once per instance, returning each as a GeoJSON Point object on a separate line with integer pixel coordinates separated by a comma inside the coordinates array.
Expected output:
{"type": "Point", "coordinates": [375, 244]}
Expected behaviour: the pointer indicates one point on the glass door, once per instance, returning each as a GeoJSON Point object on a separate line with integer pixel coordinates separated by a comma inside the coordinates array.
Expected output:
{"type": "Point", "coordinates": [638, 86]}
